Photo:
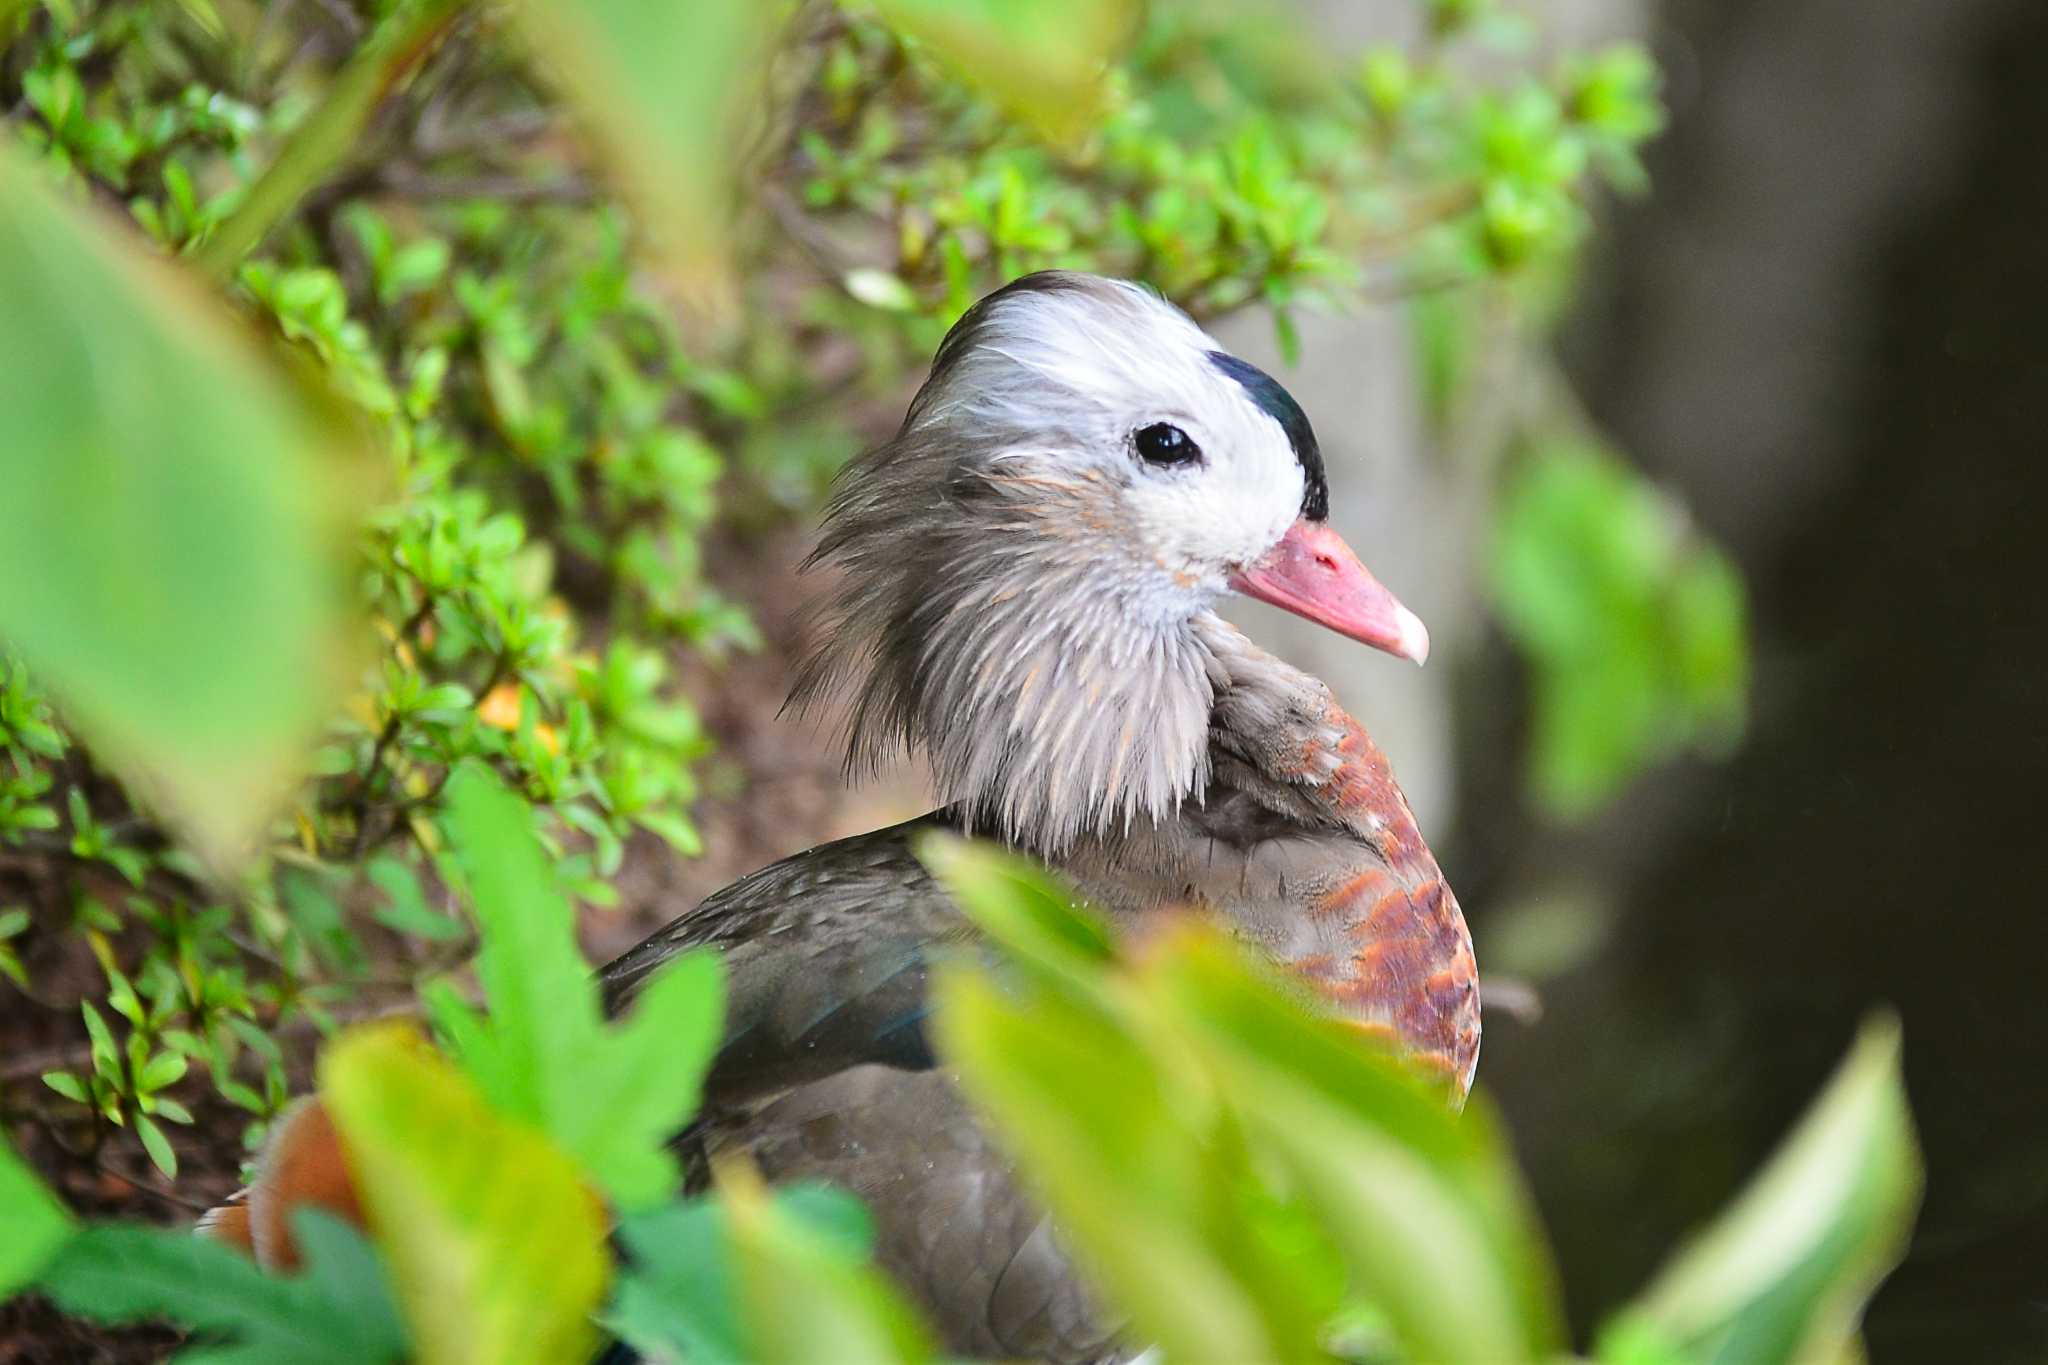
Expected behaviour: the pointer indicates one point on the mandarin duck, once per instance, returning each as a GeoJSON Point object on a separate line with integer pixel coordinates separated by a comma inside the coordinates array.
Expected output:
{"type": "Point", "coordinates": [1027, 579]}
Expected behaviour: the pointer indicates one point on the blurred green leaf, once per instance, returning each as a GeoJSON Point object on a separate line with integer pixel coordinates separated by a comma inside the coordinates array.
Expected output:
{"type": "Point", "coordinates": [1170, 1108]}
{"type": "Point", "coordinates": [680, 1293]}
{"type": "Point", "coordinates": [676, 1292]}
{"type": "Point", "coordinates": [157, 1145]}
{"type": "Point", "coordinates": [67, 1085]}
{"type": "Point", "coordinates": [1138, 1163]}
{"type": "Point", "coordinates": [1613, 96]}
{"type": "Point", "coordinates": [495, 1244]}
{"type": "Point", "coordinates": [1431, 1212]}
{"type": "Point", "coordinates": [669, 90]}
{"type": "Point", "coordinates": [338, 1310]}
{"type": "Point", "coordinates": [850, 1314]}
{"type": "Point", "coordinates": [1042, 59]}
{"type": "Point", "coordinates": [1132, 1171]}
{"type": "Point", "coordinates": [1444, 331]}
{"type": "Point", "coordinates": [1784, 1274]}
{"type": "Point", "coordinates": [173, 504]}
{"type": "Point", "coordinates": [36, 1223]}
{"type": "Point", "coordinates": [610, 1095]}
{"type": "Point", "coordinates": [1013, 900]}
{"type": "Point", "coordinates": [408, 911]}
{"type": "Point", "coordinates": [1635, 627]}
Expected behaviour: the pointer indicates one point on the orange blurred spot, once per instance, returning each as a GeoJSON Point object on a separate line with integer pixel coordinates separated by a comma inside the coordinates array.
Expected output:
{"type": "Point", "coordinates": [500, 707]}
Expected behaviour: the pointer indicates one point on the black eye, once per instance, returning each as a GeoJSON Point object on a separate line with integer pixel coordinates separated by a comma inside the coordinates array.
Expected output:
{"type": "Point", "coordinates": [1165, 443]}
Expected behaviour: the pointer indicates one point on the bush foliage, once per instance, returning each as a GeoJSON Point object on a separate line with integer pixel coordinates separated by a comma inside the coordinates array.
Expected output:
{"type": "Point", "coordinates": [384, 368]}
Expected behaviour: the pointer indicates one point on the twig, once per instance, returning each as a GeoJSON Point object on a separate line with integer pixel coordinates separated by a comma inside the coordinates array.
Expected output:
{"type": "Point", "coordinates": [27, 1065]}
{"type": "Point", "coordinates": [191, 1206]}
{"type": "Point", "coordinates": [92, 1158]}
{"type": "Point", "coordinates": [411, 183]}
{"type": "Point", "coordinates": [438, 136]}
{"type": "Point", "coordinates": [1400, 284]}
{"type": "Point", "coordinates": [346, 19]}
{"type": "Point", "coordinates": [390, 731]}
{"type": "Point", "coordinates": [818, 247]}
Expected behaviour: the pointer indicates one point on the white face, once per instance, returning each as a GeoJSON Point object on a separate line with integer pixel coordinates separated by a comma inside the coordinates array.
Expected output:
{"type": "Point", "coordinates": [1114, 391]}
{"type": "Point", "coordinates": [1221, 492]}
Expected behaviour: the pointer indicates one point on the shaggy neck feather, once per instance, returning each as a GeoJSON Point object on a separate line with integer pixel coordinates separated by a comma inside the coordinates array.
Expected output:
{"type": "Point", "coordinates": [1056, 690]}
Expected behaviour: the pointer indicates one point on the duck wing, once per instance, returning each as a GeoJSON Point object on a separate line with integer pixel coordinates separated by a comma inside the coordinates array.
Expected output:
{"type": "Point", "coordinates": [826, 955]}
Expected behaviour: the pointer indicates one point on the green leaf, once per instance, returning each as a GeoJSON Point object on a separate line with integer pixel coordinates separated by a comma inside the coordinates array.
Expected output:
{"type": "Point", "coordinates": [1445, 340]}
{"type": "Point", "coordinates": [1229, 1161]}
{"type": "Point", "coordinates": [67, 1085]}
{"type": "Point", "coordinates": [670, 91]}
{"type": "Point", "coordinates": [1636, 629]}
{"type": "Point", "coordinates": [1437, 1229]}
{"type": "Point", "coordinates": [496, 1247]}
{"type": "Point", "coordinates": [165, 1068]}
{"type": "Point", "coordinates": [157, 1145]}
{"type": "Point", "coordinates": [318, 916]}
{"type": "Point", "coordinates": [106, 1057]}
{"type": "Point", "coordinates": [174, 571]}
{"type": "Point", "coordinates": [1131, 1174]}
{"type": "Point", "coordinates": [1784, 1274]}
{"type": "Point", "coordinates": [612, 1095]}
{"type": "Point", "coordinates": [846, 1310]}
{"type": "Point", "coordinates": [679, 1294]}
{"type": "Point", "coordinates": [336, 1311]}
{"type": "Point", "coordinates": [1013, 899]}
{"type": "Point", "coordinates": [408, 911]}
{"type": "Point", "coordinates": [36, 1223]}
{"type": "Point", "coordinates": [1042, 59]}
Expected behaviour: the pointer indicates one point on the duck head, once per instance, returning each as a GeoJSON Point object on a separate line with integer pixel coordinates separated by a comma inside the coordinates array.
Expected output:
{"type": "Point", "coordinates": [1084, 474]}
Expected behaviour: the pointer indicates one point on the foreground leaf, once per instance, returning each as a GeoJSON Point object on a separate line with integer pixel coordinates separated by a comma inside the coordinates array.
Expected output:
{"type": "Point", "coordinates": [1042, 59]}
{"type": "Point", "coordinates": [1783, 1275]}
{"type": "Point", "coordinates": [1438, 1231]}
{"type": "Point", "coordinates": [1132, 1171]}
{"type": "Point", "coordinates": [495, 1244]}
{"type": "Point", "coordinates": [337, 1312]}
{"type": "Point", "coordinates": [667, 90]}
{"type": "Point", "coordinates": [845, 1311]}
{"type": "Point", "coordinates": [611, 1096]}
{"type": "Point", "coordinates": [1017, 904]}
{"type": "Point", "coordinates": [36, 1223]}
{"type": "Point", "coordinates": [1227, 1159]}
{"type": "Point", "coordinates": [681, 1292]}
{"type": "Point", "coordinates": [172, 563]}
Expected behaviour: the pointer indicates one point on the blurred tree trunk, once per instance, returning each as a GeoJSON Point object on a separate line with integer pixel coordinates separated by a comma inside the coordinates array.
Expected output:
{"type": "Point", "coordinates": [1825, 329]}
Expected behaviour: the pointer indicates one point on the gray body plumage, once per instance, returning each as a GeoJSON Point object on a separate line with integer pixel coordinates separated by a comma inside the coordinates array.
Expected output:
{"type": "Point", "coordinates": [1026, 603]}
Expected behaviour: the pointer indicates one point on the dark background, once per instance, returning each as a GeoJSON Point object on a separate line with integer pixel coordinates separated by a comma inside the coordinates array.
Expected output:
{"type": "Point", "coordinates": [1826, 328]}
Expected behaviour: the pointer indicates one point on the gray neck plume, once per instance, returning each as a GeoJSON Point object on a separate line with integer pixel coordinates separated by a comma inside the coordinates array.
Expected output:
{"type": "Point", "coordinates": [976, 624]}
{"type": "Point", "coordinates": [990, 612]}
